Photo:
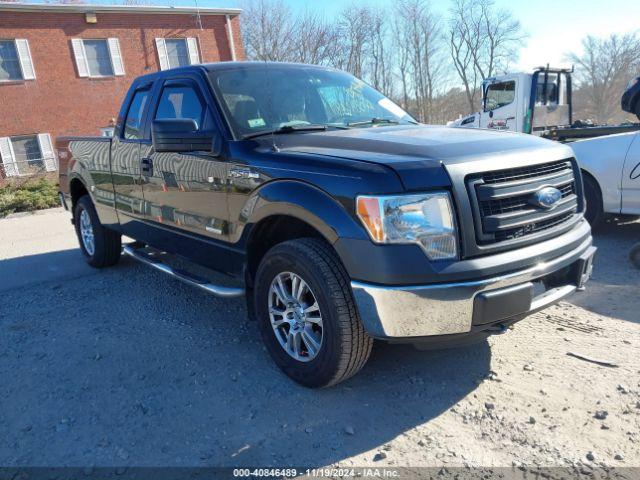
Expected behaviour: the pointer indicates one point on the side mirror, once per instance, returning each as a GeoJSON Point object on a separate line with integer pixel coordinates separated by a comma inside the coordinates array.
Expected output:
{"type": "Point", "coordinates": [630, 101]}
{"type": "Point", "coordinates": [180, 135]}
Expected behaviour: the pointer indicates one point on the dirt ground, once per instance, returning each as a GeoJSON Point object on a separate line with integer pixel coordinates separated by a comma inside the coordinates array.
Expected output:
{"type": "Point", "coordinates": [125, 367]}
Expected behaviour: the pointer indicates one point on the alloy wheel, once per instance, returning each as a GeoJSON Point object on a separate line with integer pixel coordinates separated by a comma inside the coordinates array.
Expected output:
{"type": "Point", "coordinates": [295, 316]}
{"type": "Point", "coordinates": [86, 232]}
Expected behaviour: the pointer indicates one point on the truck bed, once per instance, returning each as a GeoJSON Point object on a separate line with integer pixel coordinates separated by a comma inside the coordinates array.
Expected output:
{"type": "Point", "coordinates": [568, 134]}
{"type": "Point", "coordinates": [92, 151]}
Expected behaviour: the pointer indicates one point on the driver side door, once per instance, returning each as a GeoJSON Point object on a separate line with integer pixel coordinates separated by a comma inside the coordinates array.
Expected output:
{"type": "Point", "coordinates": [500, 106]}
{"type": "Point", "coordinates": [185, 193]}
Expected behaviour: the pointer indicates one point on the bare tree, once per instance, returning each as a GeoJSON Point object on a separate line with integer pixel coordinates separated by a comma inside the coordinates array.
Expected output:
{"type": "Point", "coordinates": [400, 40]}
{"type": "Point", "coordinates": [268, 30]}
{"type": "Point", "coordinates": [483, 40]}
{"type": "Point", "coordinates": [355, 26]}
{"type": "Point", "coordinates": [316, 40]}
{"type": "Point", "coordinates": [380, 61]}
{"type": "Point", "coordinates": [603, 69]}
{"type": "Point", "coordinates": [422, 65]}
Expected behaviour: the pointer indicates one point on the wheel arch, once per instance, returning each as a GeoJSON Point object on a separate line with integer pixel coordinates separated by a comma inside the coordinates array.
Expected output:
{"type": "Point", "coordinates": [285, 210]}
{"type": "Point", "coordinates": [77, 189]}
{"type": "Point", "coordinates": [273, 230]}
{"type": "Point", "coordinates": [586, 174]}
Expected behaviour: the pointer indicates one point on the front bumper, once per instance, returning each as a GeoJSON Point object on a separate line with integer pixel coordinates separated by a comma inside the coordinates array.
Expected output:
{"type": "Point", "coordinates": [411, 312]}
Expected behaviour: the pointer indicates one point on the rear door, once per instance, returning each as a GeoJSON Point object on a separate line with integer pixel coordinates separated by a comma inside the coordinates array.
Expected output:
{"type": "Point", "coordinates": [125, 158]}
{"type": "Point", "coordinates": [185, 193]}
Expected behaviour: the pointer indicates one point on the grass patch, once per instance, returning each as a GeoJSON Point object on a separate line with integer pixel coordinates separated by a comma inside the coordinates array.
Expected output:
{"type": "Point", "coordinates": [30, 196]}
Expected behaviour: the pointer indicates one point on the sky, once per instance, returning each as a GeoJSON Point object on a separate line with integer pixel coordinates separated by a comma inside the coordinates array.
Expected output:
{"type": "Point", "coordinates": [554, 27]}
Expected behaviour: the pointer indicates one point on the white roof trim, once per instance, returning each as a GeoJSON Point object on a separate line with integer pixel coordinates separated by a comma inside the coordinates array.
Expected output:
{"type": "Point", "coordinates": [94, 8]}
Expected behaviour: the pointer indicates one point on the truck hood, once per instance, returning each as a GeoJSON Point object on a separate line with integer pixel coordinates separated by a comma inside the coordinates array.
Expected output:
{"type": "Point", "coordinates": [416, 152]}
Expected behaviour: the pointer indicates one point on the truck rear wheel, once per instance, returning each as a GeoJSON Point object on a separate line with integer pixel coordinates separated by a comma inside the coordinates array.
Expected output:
{"type": "Point", "coordinates": [307, 316]}
{"type": "Point", "coordinates": [100, 246]}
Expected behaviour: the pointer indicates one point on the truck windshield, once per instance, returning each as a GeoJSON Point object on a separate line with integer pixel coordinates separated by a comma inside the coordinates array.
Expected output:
{"type": "Point", "coordinates": [267, 98]}
{"type": "Point", "coordinates": [499, 95]}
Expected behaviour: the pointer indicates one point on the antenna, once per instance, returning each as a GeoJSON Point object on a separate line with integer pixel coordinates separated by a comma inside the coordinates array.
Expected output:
{"type": "Point", "coordinates": [274, 147]}
{"type": "Point", "coordinates": [198, 17]}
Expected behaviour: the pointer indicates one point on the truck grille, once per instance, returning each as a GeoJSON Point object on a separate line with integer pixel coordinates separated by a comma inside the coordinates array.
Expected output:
{"type": "Point", "coordinates": [504, 201]}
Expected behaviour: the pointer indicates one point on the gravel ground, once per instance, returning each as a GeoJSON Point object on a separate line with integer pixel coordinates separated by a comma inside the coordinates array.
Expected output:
{"type": "Point", "coordinates": [125, 367]}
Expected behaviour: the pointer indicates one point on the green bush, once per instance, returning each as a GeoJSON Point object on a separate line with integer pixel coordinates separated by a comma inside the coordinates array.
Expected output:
{"type": "Point", "coordinates": [28, 197]}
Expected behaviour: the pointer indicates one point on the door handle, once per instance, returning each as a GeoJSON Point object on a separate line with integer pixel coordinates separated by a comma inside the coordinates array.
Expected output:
{"type": "Point", "coordinates": [146, 166]}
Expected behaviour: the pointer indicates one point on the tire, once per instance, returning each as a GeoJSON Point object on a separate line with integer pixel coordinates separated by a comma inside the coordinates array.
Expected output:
{"type": "Point", "coordinates": [344, 346]}
{"type": "Point", "coordinates": [594, 212]}
{"type": "Point", "coordinates": [634, 256]}
{"type": "Point", "coordinates": [107, 244]}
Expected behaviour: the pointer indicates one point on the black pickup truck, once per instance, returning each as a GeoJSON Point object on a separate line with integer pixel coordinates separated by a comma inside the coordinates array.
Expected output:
{"type": "Point", "coordinates": [339, 217]}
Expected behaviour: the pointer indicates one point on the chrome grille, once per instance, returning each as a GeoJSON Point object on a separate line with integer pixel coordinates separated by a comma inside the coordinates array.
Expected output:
{"type": "Point", "coordinates": [502, 201]}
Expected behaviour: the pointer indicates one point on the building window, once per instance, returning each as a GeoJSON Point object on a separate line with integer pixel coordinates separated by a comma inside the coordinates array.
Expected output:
{"type": "Point", "coordinates": [97, 58]}
{"type": "Point", "coordinates": [15, 61]}
{"type": "Point", "coordinates": [26, 155]}
{"type": "Point", "coordinates": [177, 52]}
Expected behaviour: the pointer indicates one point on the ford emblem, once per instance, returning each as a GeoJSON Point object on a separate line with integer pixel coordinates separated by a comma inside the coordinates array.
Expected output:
{"type": "Point", "coordinates": [546, 197]}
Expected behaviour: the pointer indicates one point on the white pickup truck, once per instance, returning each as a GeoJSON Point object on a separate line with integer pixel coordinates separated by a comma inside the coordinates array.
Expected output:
{"type": "Point", "coordinates": [611, 174]}
{"type": "Point", "coordinates": [611, 166]}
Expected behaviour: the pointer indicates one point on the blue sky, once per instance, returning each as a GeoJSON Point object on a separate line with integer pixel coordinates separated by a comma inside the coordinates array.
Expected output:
{"type": "Point", "coordinates": [554, 26]}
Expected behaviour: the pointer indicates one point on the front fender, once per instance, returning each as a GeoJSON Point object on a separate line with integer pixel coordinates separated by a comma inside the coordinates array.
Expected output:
{"type": "Point", "coordinates": [302, 201]}
{"type": "Point", "coordinates": [603, 158]}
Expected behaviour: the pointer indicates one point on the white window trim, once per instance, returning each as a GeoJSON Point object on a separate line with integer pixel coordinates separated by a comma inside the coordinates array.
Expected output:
{"type": "Point", "coordinates": [8, 158]}
{"type": "Point", "coordinates": [193, 51]}
{"type": "Point", "coordinates": [82, 63]}
{"type": "Point", "coordinates": [25, 60]}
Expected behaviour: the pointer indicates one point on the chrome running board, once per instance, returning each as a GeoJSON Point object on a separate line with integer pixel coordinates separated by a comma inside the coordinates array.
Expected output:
{"type": "Point", "coordinates": [201, 283]}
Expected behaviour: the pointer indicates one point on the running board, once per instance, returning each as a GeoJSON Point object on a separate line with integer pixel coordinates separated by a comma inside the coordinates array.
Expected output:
{"type": "Point", "coordinates": [201, 283]}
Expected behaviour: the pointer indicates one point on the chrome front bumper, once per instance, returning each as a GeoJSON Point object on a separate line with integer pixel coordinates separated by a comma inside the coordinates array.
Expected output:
{"type": "Point", "coordinates": [395, 312]}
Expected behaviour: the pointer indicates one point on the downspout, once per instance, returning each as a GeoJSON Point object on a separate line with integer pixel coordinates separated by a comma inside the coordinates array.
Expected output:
{"type": "Point", "coordinates": [230, 37]}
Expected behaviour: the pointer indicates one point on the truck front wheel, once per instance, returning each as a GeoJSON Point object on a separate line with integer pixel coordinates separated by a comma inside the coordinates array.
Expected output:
{"type": "Point", "coordinates": [306, 314]}
{"type": "Point", "coordinates": [594, 212]}
{"type": "Point", "coordinates": [100, 246]}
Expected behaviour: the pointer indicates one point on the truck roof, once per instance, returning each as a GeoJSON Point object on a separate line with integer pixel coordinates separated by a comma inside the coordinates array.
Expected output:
{"type": "Point", "coordinates": [225, 66]}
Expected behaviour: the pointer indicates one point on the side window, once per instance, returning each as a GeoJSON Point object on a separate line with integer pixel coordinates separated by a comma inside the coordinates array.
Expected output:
{"type": "Point", "coordinates": [182, 102]}
{"type": "Point", "coordinates": [499, 95]}
{"type": "Point", "coordinates": [133, 121]}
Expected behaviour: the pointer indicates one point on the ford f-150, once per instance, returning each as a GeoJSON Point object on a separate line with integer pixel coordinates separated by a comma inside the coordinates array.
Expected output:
{"type": "Point", "coordinates": [340, 217]}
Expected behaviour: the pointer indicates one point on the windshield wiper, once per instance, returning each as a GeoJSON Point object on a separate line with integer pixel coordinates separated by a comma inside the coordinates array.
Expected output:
{"type": "Point", "coordinates": [287, 129]}
{"type": "Point", "coordinates": [373, 121]}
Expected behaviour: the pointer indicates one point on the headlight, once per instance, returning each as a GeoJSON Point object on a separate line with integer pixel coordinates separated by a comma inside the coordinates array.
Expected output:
{"type": "Point", "coordinates": [426, 219]}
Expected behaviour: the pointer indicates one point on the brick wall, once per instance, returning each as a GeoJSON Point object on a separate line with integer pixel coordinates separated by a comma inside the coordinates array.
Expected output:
{"type": "Point", "coordinates": [58, 101]}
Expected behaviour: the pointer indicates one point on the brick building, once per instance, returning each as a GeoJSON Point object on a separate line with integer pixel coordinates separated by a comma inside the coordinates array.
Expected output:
{"type": "Point", "coordinates": [64, 69]}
